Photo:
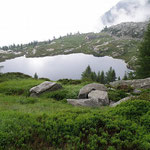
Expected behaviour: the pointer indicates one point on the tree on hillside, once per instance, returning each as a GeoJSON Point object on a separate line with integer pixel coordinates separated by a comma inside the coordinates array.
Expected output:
{"type": "Point", "coordinates": [102, 77]}
{"type": "Point", "coordinates": [87, 73]}
{"type": "Point", "coordinates": [110, 75]}
{"type": "Point", "coordinates": [125, 77]}
{"type": "Point", "coordinates": [98, 76]}
{"type": "Point", "coordinates": [143, 69]}
{"type": "Point", "coordinates": [93, 76]}
{"type": "Point", "coordinates": [35, 76]}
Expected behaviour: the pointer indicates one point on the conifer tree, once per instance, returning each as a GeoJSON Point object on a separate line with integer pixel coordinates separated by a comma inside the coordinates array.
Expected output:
{"type": "Point", "coordinates": [102, 78]}
{"type": "Point", "coordinates": [110, 75]}
{"type": "Point", "coordinates": [87, 73]}
{"type": "Point", "coordinates": [98, 77]}
{"type": "Point", "coordinates": [35, 76]}
{"type": "Point", "coordinates": [143, 69]}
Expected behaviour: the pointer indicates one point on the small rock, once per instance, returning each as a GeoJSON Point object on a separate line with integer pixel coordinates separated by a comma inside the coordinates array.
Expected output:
{"type": "Point", "coordinates": [136, 91]}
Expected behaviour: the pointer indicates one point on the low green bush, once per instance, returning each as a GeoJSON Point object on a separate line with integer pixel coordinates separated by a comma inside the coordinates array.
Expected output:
{"type": "Point", "coordinates": [116, 95]}
{"type": "Point", "coordinates": [18, 87]}
{"type": "Point", "coordinates": [125, 127]}
{"type": "Point", "coordinates": [69, 81]}
{"type": "Point", "coordinates": [29, 100]}
{"type": "Point", "coordinates": [13, 75]}
{"type": "Point", "coordinates": [61, 94]}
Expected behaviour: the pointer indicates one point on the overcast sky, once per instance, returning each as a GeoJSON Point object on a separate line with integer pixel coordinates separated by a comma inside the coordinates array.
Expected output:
{"type": "Point", "coordinates": [22, 21]}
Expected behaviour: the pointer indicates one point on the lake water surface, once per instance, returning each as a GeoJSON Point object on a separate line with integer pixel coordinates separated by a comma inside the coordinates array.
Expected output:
{"type": "Point", "coordinates": [63, 66]}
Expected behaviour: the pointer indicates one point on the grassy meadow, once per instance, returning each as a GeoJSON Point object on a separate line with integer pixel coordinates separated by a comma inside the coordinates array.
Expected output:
{"type": "Point", "coordinates": [49, 123]}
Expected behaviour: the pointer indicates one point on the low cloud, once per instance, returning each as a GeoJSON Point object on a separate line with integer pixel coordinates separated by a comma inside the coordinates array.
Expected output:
{"type": "Point", "coordinates": [127, 11]}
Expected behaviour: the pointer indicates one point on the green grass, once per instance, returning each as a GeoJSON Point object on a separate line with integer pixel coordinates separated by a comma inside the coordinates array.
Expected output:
{"type": "Point", "coordinates": [49, 123]}
{"type": "Point", "coordinates": [18, 86]}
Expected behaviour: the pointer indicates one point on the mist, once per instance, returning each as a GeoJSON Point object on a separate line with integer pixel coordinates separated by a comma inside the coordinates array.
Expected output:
{"type": "Point", "coordinates": [127, 11]}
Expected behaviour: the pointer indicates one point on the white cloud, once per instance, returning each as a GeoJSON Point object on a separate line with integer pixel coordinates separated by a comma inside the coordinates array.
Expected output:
{"type": "Point", "coordinates": [136, 11]}
{"type": "Point", "coordinates": [23, 21]}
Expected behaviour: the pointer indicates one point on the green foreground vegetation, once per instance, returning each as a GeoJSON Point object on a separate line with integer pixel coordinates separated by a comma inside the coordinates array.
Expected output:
{"type": "Point", "coordinates": [48, 122]}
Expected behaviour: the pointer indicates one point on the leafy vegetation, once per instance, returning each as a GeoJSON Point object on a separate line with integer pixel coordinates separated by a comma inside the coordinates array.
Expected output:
{"type": "Point", "coordinates": [46, 123]}
{"type": "Point", "coordinates": [116, 95]}
{"type": "Point", "coordinates": [143, 69]}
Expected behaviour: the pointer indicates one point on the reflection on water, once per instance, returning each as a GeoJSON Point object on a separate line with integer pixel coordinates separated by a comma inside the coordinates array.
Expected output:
{"type": "Point", "coordinates": [63, 66]}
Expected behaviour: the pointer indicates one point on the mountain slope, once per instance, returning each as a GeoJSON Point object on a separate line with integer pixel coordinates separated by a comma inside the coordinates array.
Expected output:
{"type": "Point", "coordinates": [120, 41]}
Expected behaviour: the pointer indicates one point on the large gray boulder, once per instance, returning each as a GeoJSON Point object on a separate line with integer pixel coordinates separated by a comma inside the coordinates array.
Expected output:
{"type": "Point", "coordinates": [101, 97]}
{"type": "Point", "coordinates": [43, 87]}
{"type": "Point", "coordinates": [136, 84]}
{"type": "Point", "coordinates": [83, 102]}
{"type": "Point", "coordinates": [95, 99]}
{"type": "Point", "coordinates": [83, 94]}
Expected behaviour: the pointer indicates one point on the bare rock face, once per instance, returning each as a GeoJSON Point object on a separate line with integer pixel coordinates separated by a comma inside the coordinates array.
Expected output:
{"type": "Point", "coordinates": [100, 96]}
{"type": "Point", "coordinates": [83, 94]}
{"type": "Point", "coordinates": [136, 84]}
{"type": "Point", "coordinates": [43, 87]}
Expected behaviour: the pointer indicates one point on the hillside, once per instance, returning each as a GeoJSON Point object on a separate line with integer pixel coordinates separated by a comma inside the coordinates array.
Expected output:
{"type": "Point", "coordinates": [120, 41]}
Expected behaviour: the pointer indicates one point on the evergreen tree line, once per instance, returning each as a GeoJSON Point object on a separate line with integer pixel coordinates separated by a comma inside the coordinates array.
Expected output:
{"type": "Point", "coordinates": [100, 77]}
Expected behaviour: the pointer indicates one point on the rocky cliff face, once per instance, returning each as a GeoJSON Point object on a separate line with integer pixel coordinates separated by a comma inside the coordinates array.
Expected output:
{"type": "Point", "coordinates": [128, 29]}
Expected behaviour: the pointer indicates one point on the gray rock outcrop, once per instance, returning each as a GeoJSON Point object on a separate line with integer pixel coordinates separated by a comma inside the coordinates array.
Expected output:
{"type": "Point", "coordinates": [83, 102]}
{"type": "Point", "coordinates": [83, 94]}
{"type": "Point", "coordinates": [128, 29]}
{"type": "Point", "coordinates": [136, 84]}
{"type": "Point", "coordinates": [91, 95]}
{"type": "Point", "coordinates": [100, 96]}
{"type": "Point", "coordinates": [43, 87]}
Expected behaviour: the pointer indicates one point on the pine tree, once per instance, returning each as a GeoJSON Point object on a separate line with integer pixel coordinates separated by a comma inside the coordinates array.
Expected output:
{"type": "Point", "coordinates": [98, 77]}
{"type": "Point", "coordinates": [110, 75]}
{"type": "Point", "coordinates": [35, 76]}
{"type": "Point", "coordinates": [143, 69]}
{"type": "Point", "coordinates": [87, 73]}
{"type": "Point", "coordinates": [125, 76]}
{"type": "Point", "coordinates": [102, 78]}
{"type": "Point", "coordinates": [113, 75]}
{"type": "Point", "coordinates": [93, 76]}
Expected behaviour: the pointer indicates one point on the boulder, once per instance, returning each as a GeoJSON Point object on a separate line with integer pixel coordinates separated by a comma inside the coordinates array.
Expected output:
{"type": "Point", "coordinates": [120, 101]}
{"type": "Point", "coordinates": [43, 87]}
{"type": "Point", "coordinates": [101, 97]}
{"type": "Point", "coordinates": [136, 84]}
{"type": "Point", "coordinates": [83, 94]}
{"type": "Point", "coordinates": [83, 102]}
{"type": "Point", "coordinates": [136, 91]}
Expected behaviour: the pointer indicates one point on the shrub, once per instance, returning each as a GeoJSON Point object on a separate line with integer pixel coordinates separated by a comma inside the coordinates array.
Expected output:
{"type": "Point", "coordinates": [116, 95]}
{"type": "Point", "coordinates": [124, 127]}
{"type": "Point", "coordinates": [69, 81]}
{"type": "Point", "coordinates": [29, 100]}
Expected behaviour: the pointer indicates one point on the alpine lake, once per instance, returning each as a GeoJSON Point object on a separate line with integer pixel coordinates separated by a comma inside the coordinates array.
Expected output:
{"type": "Point", "coordinates": [63, 66]}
